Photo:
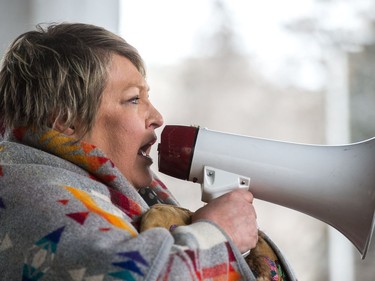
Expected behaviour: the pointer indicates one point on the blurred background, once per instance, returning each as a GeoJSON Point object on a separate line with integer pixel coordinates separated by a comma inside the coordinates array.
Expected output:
{"type": "Point", "coordinates": [294, 70]}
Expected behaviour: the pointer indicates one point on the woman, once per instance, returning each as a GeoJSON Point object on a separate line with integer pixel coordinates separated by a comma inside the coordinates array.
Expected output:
{"type": "Point", "coordinates": [75, 168]}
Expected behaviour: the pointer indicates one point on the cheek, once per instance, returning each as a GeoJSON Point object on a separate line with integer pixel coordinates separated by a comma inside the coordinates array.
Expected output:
{"type": "Point", "coordinates": [121, 138]}
{"type": "Point", "coordinates": [119, 134]}
{"type": "Point", "coordinates": [105, 135]}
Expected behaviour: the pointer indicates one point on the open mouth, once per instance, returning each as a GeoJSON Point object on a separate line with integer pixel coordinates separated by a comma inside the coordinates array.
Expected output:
{"type": "Point", "coordinates": [144, 151]}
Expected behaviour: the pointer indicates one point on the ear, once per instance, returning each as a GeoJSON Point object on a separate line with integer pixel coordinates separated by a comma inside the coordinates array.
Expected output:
{"type": "Point", "coordinates": [58, 126]}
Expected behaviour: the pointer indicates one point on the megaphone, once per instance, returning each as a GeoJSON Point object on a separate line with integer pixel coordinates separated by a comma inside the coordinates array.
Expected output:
{"type": "Point", "coordinates": [335, 184]}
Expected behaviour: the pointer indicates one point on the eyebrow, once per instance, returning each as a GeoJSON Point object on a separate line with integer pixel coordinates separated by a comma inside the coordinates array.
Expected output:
{"type": "Point", "coordinates": [137, 85]}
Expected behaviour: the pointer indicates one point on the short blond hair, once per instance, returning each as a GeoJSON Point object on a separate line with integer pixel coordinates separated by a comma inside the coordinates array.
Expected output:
{"type": "Point", "coordinates": [59, 72]}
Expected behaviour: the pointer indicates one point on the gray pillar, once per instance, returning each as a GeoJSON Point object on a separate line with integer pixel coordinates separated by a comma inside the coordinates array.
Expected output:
{"type": "Point", "coordinates": [341, 265]}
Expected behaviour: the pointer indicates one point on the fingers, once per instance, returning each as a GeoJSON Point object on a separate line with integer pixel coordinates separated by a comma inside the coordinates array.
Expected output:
{"type": "Point", "coordinates": [244, 200]}
{"type": "Point", "coordinates": [236, 215]}
{"type": "Point", "coordinates": [247, 195]}
{"type": "Point", "coordinates": [239, 193]}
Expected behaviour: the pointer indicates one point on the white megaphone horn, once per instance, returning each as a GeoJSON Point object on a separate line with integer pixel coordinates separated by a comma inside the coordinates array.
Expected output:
{"type": "Point", "coordinates": [335, 184]}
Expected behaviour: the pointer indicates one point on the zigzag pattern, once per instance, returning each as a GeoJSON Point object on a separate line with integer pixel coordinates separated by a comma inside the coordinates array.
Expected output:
{"type": "Point", "coordinates": [128, 206]}
{"type": "Point", "coordinates": [219, 272]}
{"type": "Point", "coordinates": [91, 205]}
{"type": "Point", "coordinates": [80, 153]}
{"type": "Point", "coordinates": [40, 256]}
{"type": "Point", "coordinates": [132, 264]}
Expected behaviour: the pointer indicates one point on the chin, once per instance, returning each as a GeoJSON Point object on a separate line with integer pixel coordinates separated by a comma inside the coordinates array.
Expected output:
{"type": "Point", "coordinates": [143, 180]}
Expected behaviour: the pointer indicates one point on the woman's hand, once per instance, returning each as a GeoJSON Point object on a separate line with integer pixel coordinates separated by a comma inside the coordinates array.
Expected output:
{"type": "Point", "coordinates": [235, 214]}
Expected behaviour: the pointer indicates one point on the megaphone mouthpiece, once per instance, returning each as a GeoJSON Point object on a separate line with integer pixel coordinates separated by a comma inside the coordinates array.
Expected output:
{"type": "Point", "coordinates": [176, 150]}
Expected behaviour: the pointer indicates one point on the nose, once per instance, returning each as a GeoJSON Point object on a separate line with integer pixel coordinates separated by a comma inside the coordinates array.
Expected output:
{"type": "Point", "coordinates": [155, 119]}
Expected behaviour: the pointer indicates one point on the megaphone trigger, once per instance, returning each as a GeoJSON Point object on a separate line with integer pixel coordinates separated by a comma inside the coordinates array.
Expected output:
{"type": "Point", "coordinates": [217, 182]}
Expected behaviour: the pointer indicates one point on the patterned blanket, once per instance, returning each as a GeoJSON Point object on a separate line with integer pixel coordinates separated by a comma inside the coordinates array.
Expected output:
{"type": "Point", "coordinates": [67, 213]}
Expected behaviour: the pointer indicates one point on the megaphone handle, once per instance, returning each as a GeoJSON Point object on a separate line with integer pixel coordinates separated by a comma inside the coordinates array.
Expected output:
{"type": "Point", "coordinates": [217, 182]}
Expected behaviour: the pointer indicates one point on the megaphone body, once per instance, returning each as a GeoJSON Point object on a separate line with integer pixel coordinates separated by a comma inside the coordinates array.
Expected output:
{"type": "Point", "coordinates": [335, 184]}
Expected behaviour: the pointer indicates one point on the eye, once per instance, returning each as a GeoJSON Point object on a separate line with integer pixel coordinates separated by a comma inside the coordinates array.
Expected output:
{"type": "Point", "coordinates": [134, 100]}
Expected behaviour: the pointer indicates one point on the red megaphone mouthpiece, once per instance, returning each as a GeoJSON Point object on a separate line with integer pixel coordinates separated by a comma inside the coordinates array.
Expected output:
{"type": "Point", "coordinates": [176, 150]}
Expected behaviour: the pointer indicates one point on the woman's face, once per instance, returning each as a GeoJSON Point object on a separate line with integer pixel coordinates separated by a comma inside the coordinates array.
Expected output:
{"type": "Point", "coordinates": [126, 121]}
